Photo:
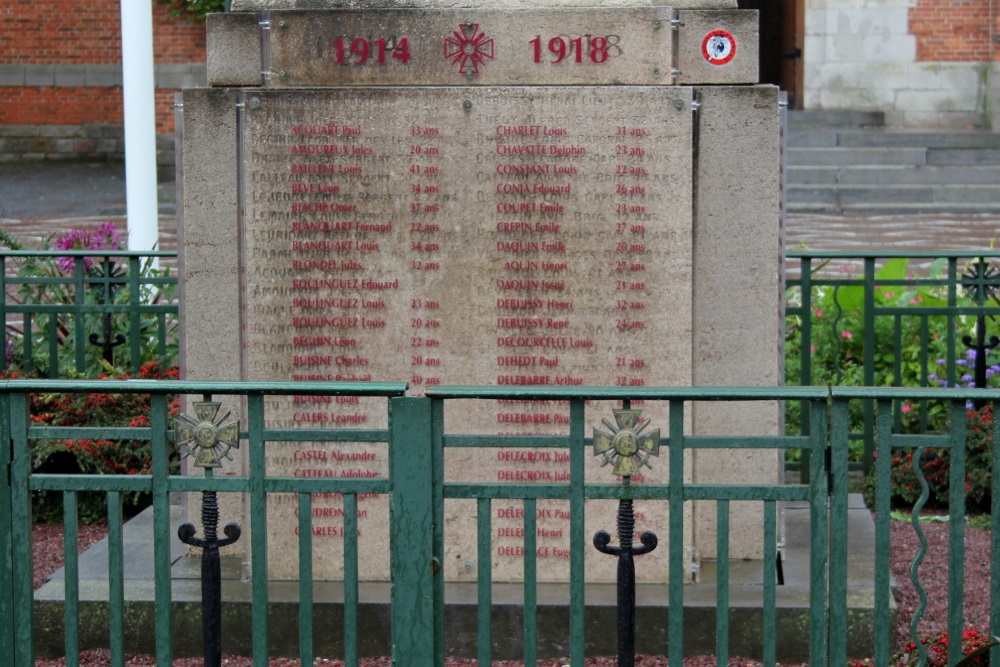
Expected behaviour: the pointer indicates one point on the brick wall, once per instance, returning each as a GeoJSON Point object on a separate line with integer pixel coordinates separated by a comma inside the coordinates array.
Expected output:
{"type": "Point", "coordinates": [60, 73]}
{"type": "Point", "coordinates": [954, 30]}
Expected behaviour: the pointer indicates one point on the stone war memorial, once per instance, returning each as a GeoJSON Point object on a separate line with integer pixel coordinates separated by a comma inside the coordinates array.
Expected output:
{"type": "Point", "coordinates": [503, 193]}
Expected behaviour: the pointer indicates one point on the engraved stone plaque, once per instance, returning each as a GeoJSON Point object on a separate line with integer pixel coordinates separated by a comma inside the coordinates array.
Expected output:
{"type": "Point", "coordinates": [471, 47]}
{"type": "Point", "coordinates": [454, 235]}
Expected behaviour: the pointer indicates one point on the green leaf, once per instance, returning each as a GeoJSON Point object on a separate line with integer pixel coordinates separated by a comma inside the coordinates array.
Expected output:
{"type": "Point", "coordinates": [851, 299]}
{"type": "Point", "coordinates": [895, 269]}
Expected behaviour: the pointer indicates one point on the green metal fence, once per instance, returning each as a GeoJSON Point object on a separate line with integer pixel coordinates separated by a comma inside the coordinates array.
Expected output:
{"type": "Point", "coordinates": [888, 319]}
{"type": "Point", "coordinates": [419, 437]}
{"type": "Point", "coordinates": [63, 310]}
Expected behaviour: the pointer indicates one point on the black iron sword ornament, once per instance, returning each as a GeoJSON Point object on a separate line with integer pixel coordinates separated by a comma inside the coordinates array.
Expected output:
{"type": "Point", "coordinates": [628, 449]}
{"type": "Point", "coordinates": [209, 440]}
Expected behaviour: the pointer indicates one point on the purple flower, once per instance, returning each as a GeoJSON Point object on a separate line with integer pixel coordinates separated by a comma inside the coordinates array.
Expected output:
{"type": "Point", "coordinates": [966, 378]}
{"type": "Point", "coordinates": [9, 351]}
{"type": "Point", "coordinates": [961, 362]}
{"type": "Point", "coordinates": [102, 237]}
{"type": "Point", "coordinates": [932, 377]}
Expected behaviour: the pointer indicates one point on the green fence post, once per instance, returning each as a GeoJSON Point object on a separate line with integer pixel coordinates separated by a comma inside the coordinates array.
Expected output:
{"type": "Point", "coordinates": [6, 553]}
{"type": "Point", "coordinates": [20, 534]}
{"type": "Point", "coordinates": [818, 533]}
{"type": "Point", "coordinates": [868, 407]}
{"type": "Point", "coordinates": [411, 529]}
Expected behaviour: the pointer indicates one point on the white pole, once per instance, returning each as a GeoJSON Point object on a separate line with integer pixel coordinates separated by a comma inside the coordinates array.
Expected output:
{"type": "Point", "coordinates": [140, 124]}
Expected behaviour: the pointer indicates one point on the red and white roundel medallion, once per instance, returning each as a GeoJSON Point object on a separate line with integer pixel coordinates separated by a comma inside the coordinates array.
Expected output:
{"type": "Point", "coordinates": [718, 47]}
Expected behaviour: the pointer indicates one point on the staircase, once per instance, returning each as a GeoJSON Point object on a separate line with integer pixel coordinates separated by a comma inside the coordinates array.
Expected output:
{"type": "Point", "coordinates": [846, 161]}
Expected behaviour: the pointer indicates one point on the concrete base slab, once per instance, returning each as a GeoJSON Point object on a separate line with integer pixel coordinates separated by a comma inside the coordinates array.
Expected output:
{"type": "Point", "coordinates": [746, 594]}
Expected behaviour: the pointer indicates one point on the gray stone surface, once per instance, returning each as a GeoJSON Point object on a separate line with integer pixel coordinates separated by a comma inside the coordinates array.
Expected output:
{"type": "Point", "coordinates": [849, 156]}
{"type": "Point", "coordinates": [923, 175]}
{"type": "Point", "coordinates": [737, 251]}
{"type": "Point", "coordinates": [171, 75]}
{"type": "Point", "coordinates": [104, 75]}
{"type": "Point", "coordinates": [12, 75]}
{"type": "Point", "coordinates": [637, 47]}
{"type": "Point", "coordinates": [233, 49]}
{"type": "Point", "coordinates": [835, 118]}
{"type": "Point", "coordinates": [488, 228]}
{"type": "Point", "coordinates": [209, 264]}
{"type": "Point", "coordinates": [70, 75]}
{"type": "Point", "coordinates": [924, 171]}
{"type": "Point", "coordinates": [736, 226]}
{"type": "Point", "coordinates": [180, 75]}
{"type": "Point", "coordinates": [963, 157]}
{"type": "Point", "coordinates": [954, 139]}
{"type": "Point", "coordinates": [40, 75]}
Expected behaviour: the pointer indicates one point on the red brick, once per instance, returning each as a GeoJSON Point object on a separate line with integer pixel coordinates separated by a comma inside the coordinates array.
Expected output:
{"type": "Point", "coordinates": [952, 30]}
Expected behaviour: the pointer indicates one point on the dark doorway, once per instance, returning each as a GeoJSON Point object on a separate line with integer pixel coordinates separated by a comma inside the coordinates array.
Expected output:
{"type": "Point", "coordinates": [782, 25]}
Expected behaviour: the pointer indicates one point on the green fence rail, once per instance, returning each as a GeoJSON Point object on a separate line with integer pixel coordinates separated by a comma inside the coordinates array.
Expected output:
{"type": "Point", "coordinates": [64, 310]}
{"type": "Point", "coordinates": [421, 435]}
{"type": "Point", "coordinates": [888, 319]}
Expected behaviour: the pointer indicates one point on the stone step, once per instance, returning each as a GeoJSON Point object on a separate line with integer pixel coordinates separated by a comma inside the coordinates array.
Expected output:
{"type": "Point", "coordinates": [835, 118]}
{"type": "Point", "coordinates": [914, 194]}
{"type": "Point", "coordinates": [892, 208]}
{"type": "Point", "coordinates": [841, 161]}
{"type": "Point", "coordinates": [804, 137]}
{"type": "Point", "coordinates": [919, 175]}
{"type": "Point", "coordinates": [894, 199]}
{"type": "Point", "coordinates": [796, 157]}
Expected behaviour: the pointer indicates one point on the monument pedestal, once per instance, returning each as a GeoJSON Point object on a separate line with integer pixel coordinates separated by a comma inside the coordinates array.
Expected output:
{"type": "Point", "coordinates": [485, 195]}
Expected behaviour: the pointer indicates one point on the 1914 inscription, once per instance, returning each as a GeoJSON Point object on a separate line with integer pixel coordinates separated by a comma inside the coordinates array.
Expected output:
{"type": "Point", "coordinates": [507, 236]}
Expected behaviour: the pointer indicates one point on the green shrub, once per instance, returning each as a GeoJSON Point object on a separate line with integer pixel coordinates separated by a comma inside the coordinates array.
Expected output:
{"type": "Point", "coordinates": [194, 9]}
{"type": "Point", "coordinates": [94, 457]}
{"type": "Point", "coordinates": [910, 350]}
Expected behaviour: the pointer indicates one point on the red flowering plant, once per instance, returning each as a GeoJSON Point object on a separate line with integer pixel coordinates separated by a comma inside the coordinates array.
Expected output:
{"type": "Point", "coordinates": [95, 457]}
{"type": "Point", "coordinates": [975, 649]}
{"type": "Point", "coordinates": [936, 463]}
